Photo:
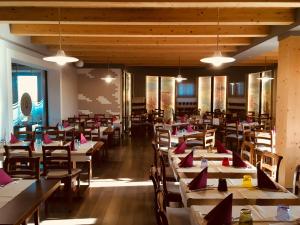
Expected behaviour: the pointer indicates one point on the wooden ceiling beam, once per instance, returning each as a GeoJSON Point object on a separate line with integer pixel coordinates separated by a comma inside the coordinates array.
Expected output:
{"type": "Point", "coordinates": [140, 41]}
{"type": "Point", "coordinates": [145, 49]}
{"type": "Point", "coordinates": [157, 16]}
{"type": "Point", "coordinates": [138, 30]}
{"type": "Point", "coordinates": [152, 4]}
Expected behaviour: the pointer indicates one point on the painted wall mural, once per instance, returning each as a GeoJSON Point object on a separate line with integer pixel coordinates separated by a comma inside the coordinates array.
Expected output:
{"type": "Point", "coordinates": [253, 92]}
{"type": "Point", "coordinates": [97, 96]}
{"type": "Point", "coordinates": [220, 84]}
{"type": "Point", "coordinates": [204, 94]}
{"type": "Point", "coordinates": [151, 93]}
{"type": "Point", "coordinates": [167, 93]}
{"type": "Point", "coordinates": [266, 91]}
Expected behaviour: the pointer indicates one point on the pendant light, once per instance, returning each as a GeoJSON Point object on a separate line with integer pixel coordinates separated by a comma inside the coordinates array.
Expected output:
{"type": "Point", "coordinates": [60, 58]}
{"type": "Point", "coordinates": [179, 78]}
{"type": "Point", "coordinates": [108, 78]}
{"type": "Point", "coordinates": [217, 59]}
{"type": "Point", "coordinates": [265, 79]}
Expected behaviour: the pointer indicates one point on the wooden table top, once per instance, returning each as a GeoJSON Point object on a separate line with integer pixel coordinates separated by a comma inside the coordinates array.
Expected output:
{"type": "Point", "coordinates": [24, 204]}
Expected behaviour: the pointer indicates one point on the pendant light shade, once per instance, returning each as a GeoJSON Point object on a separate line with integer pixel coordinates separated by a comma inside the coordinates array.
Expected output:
{"type": "Point", "coordinates": [108, 78]}
{"type": "Point", "coordinates": [60, 58]}
{"type": "Point", "coordinates": [217, 59]}
{"type": "Point", "coordinates": [179, 78]}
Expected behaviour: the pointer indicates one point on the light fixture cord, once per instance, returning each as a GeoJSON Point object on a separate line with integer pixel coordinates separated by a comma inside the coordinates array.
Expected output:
{"type": "Point", "coordinates": [59, 28]}
{"type": "Point", "coordinates": [218, 27]}
{"type": "Point", "coordinates": [179, 66]}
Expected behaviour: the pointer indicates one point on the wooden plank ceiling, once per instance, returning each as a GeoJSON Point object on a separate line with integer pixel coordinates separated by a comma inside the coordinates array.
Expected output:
{"type": "Point", "coordinates": [147, 33]}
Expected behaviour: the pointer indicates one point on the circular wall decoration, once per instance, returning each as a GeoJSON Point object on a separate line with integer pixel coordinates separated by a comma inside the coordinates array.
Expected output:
{"type": "Point", "coordinates": [26, 104]}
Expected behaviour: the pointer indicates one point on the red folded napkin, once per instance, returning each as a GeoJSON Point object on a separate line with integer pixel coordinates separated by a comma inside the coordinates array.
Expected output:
{"type": "Point", "coordinates": [66, 124]}
{"type": "Point", "coordinates": [31, 145]}
{"type": "Point", "coordinates": [220, 147]}
{"type": "Point", "coordinates": [264, 181]}
{"type": "Point", "coordinates": [180, 148]}
{"type": "Point", "coordinates": [72, 145]}
{"type": "Point", "coordinates": [13, 139]}
{"type": "Point", "coordinates": [237, 161]}
{"type": "Point", "coordinates": [187, 161]}
{"type": "Point", "coordinates": [4, 178]}
{"type": "Point", "coordinates": [82, 139]}
{"type": "Point", "coordinates": [190, 128]}
{"type": "Point", "coordinates": [221, 214]}
{"type": "Point", "coordinates": [200, 181]}
{"type": "Point", "coordinates": [47, 139]}
{"type": "Point", "coordinates": [174, 131]}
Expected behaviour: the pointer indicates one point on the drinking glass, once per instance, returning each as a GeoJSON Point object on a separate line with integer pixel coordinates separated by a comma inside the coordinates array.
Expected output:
{"type": "Point", "coordinates": [283, 213]}
{"type": "Point", "coordinates": [245, 217]}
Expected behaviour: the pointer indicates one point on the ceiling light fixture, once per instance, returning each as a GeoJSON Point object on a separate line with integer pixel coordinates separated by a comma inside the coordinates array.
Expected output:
{"type": "Point", "coordinates": [217, 59]}
{"type": "Point", "coordinates": [60, 58]}
{"type": "Point", "coordinates": [265, 79]}
{"type": "Point", "coordinates": [108, 78]}
{"type": "Point", "coordinates": [179, 78]}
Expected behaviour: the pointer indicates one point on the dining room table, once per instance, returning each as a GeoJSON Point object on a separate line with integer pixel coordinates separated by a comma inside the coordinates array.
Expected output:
{"type": "Point", "coordinates": [242, 194]}
{"type": "Point", "coordinates": [261, 215]}
{"type": "Point", "coordinates": [215, 169]}
{"type": "Point", "coordinates": [183, 134]}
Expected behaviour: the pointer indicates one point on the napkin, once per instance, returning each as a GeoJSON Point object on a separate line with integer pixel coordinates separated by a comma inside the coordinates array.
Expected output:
{"type": "Point", "coordinates": [237, 161]}
{"type": "Point", "coordinates": [13, 139]}
{"type": "Point", "coordinates": [66, 124]}
{"type": "Point", "coordinates": [220, 147]}
{"type": "Point", "coordinates": [221, 214]}
{"type": "Point", "coordinates": [264, 181]}
{"type": "Point", "coordinates": [180, 148]}
{"type": "Point", "coordinates": [189, 128]}
{"type": "Point", "coordinates": [47, 139]}
{"type": "Point", "coordinates": [200, 181]}
{"type": "Point", "coordinates": [82, 139]}
{"type": "Point", "coordinates": [4, 178]}
{"type": "Point", "coordinates": [187, 161]}
{"type": "Point", "coordinates": [174, 131]}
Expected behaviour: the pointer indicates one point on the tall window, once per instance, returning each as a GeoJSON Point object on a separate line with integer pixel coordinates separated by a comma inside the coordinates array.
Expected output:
{"type": "Point", "coordinates": [31, 83]}
{"type": "Point", "coordinates": [167, 93]}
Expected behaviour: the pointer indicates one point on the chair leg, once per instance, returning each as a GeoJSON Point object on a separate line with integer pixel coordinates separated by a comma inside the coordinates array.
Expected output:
{"type": "Point", "coordinates": [36, 217]}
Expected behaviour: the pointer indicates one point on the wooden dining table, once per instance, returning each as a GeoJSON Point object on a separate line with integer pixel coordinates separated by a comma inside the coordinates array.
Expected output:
{"type": "Point", "coordinates": [262, 215]}
{"type": "Point", "coordinates": [241, 195]}
{"type": "Point", "coordinates": [215, 170]}
{"type": "Point", "coordinates": [21, 199]}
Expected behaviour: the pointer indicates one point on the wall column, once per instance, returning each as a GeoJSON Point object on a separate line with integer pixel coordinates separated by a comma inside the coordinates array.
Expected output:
{"type": "Point", "coordinates": [288, 108]}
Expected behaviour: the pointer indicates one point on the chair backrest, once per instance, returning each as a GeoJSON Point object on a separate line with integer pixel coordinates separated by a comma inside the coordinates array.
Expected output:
{"type": "Point", "coordinates": [155, 151]}
{"type": "Point", "coordinates": [84, 116]}
{"type": "Point", "coordinates": [231, 128]}
{"type": "Point", "coordinates": [246, 132]}
{"type": "Point", "coordinates": [25, 135]}
{"type": "Point", "coordinates": [16, 151]}
{"type": "Point", "coordinates": [270, 163]}
{"type": "Point", "coordinates": [57, 157]}
{"type": "Point", "coordinates": [163, 138]}
{"type": "Point", "coordinates": [163, 173]}
{"type": "Point", "coordinates": [264, 140]}
{"type": "Point", "coordinates": [296, 184]}
{"type": "Point", "coordinates": [209, 138]}
{"type": "Point", "coordinates": [24, 167]}
{"type": "Point", "coordinates": [247, 152]}
{"type": "Point", "coordinates": [56, 135]}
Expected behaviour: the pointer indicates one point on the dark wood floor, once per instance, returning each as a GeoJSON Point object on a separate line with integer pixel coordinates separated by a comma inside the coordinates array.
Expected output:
{"type": "Point", "coordinates": [120, 192]}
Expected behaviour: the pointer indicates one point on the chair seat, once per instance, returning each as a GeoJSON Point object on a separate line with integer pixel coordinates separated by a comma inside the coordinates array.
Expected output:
{"type": "Point", "coordinates": [62, 173]}
{"type": "Point", "coordinates": [173, 187]}
{"type": "Point", "coordinates": [240, 137]}
{"type": "Point", "coordinates": [178, 216]}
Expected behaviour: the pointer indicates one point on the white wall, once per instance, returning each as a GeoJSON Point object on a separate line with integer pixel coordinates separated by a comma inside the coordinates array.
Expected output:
{"type": "Point", "coordinates": [61, 85]}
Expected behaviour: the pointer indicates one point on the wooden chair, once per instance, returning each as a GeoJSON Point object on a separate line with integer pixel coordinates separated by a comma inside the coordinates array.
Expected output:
{"type": "Point", "coordinates": [93, 128]}
{"type": "Point", "coordinates": [250, 116]}
{"type": "Point", "coordinates": [25, 135]}
{"type": "Point", "coordinates": [247, 133]}
{"type": "Point", "coordinates": [59, 166]}
{"type": "Point", "coordinates": [163, 140]}
{"type": "Point", "coordinates": [247, 152]}
{"type": "Point", "coordinates": [270, 163]}
{"type": "Point", "coordinates": [84, 116]}
{"type": "Point", "coordinates": [205, 139]}
{"type": "Point", "coordinates": [296, 183]}
{"type": "Point", "coordinates": [57, 135]}
{"type": "Point", "coordinates": [263, 141]}
{"type": "Point", "coordinates": [232, 133]}
{"type": "Point", "coordinates": [24, 167]}
{"type": "Point", "coordinates": [155, 157]}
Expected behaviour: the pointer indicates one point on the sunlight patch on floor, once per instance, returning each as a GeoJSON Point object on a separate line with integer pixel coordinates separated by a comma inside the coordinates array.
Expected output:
{"type": "Point", "coordinates": [119, 182]}
{"type": "Point", "coordinates": [83, 221]}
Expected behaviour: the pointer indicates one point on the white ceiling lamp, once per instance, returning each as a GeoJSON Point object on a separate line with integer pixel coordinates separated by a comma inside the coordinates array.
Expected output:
{"type": "Point", "coordinates": [60, 58]}
{"type": "Point", "coordinates": [217, 59]}
{"type": "Point", "coordinates": [108, 78]}
{"type": "Point", "coordinates": [179, 78]}
{"type": "Point", "coordinates": [265, 79]}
